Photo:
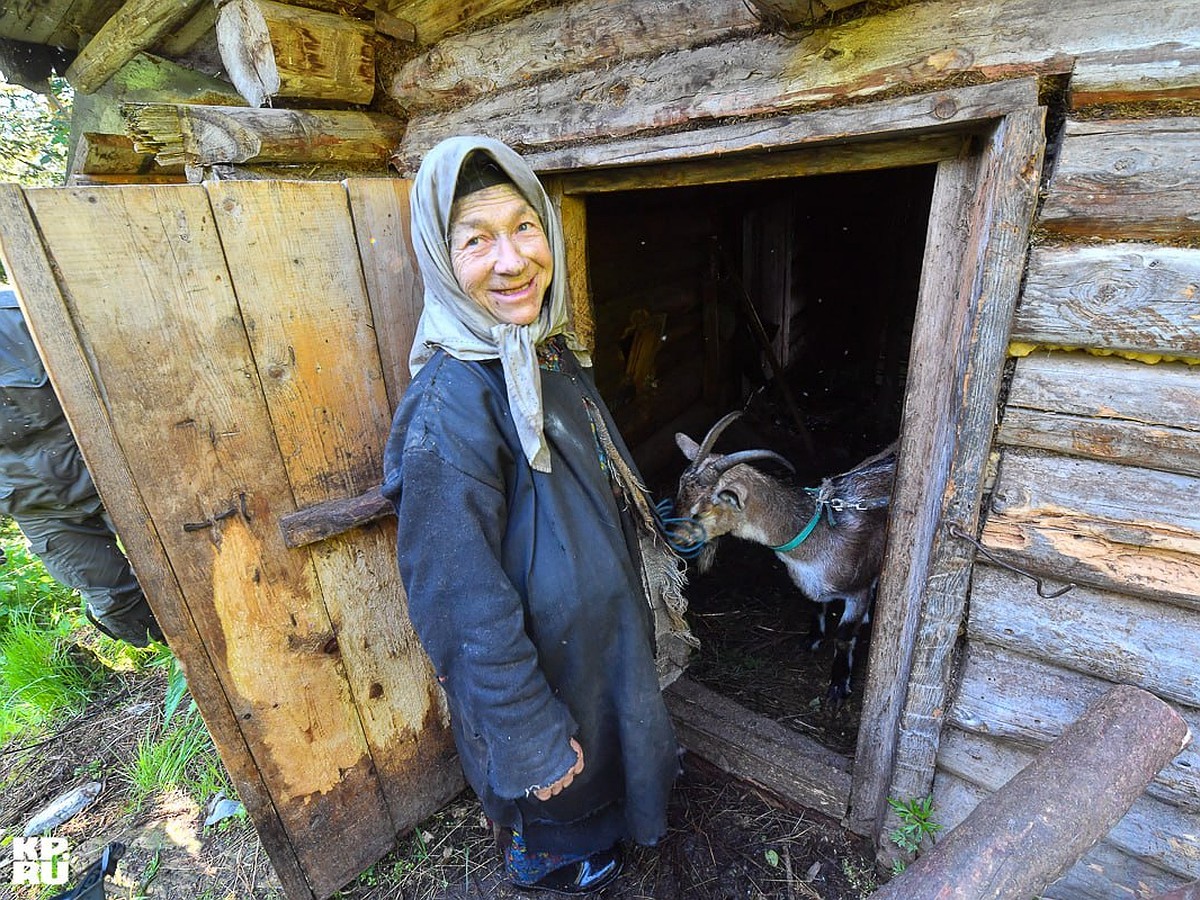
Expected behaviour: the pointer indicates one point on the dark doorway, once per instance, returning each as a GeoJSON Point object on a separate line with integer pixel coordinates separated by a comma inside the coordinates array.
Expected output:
{"type": "Point", "coordinates": [830, 266]}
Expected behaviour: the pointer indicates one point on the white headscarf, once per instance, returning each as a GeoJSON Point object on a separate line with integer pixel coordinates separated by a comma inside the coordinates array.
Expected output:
{"type": "Point", "coordinates": [457, 324]}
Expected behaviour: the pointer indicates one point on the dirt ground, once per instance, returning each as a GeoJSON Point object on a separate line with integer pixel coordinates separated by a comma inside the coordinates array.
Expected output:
{"type": "Point", "coordinates": [725, 841]}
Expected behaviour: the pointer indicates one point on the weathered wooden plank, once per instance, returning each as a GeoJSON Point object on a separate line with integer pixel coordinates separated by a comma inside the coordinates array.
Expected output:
{"type": "Point", "coordinates": [1131, 297]}
{"type": "Point", "coordinates": [1027, 701]}
{"type": "Point", "coordinates": [434, 18]}
{"type": "Point", "coordinates": [210, 135]}
{"type": "Point", "coordinates": [1121, 639]}
{"type": "Point", "coordinates": [275, 50]}
{"type": "Point", "coordinates": [1109, 409]}
{"type": "Point", "coordinates": [1167, 71]}
{"type": "Point", "coordinates": [1115, 527]}
{"type": "Point", "coordinates": [922, 474]}
{"type": "Point", "coordinates": [61, 23]}
{"type": "Point", "coordinates": [921, 44]}
{"type": "Point", "coordinates": [572, 212]}
{"type": "Point", "coordinates": [1104, 871]}
{"type": "Point", "coordinates": [1153, 831]}
{"type": "Point", "coordinates": [301, 291]}
{"type": "Point", "coordinates": [559, 40]}
{"type": "Point", "coordinates": [991, 281]}
{"type": "Point", "coordinates": [783, 762]}
{"type": "Point", "coordinates": [383, 227]}
{"type": "Point", "coordinates": [900, 116]}
{"type": "Point", "coordinates": [151, 298]}
{"type": "Point", "coordinates": [1126, 179]}
{"type": "Point", "coordinates": [135, 27]}
{"type": "Point", "coordinates": [821, 160]}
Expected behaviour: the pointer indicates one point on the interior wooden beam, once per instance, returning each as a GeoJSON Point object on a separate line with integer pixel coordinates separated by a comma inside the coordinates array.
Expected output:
{"type": "Point", "coordinates": [134, 27]}
{"type": "Point", "coordinates": [272, 49]}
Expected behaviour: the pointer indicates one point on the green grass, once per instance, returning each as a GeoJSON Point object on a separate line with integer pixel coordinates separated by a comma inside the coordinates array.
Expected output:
{"type": "Point", "coordinates": [180, 756]}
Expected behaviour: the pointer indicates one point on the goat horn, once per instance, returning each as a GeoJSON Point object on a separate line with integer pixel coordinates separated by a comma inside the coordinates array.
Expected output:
{"type": "Point", "coordinates": [725, 463]}
{"type": "Point", "coordinates": [713, 433]}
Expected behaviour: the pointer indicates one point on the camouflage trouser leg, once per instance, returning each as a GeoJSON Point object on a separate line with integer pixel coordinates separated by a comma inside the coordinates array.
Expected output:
{"type": "Point", "coordinates": [82, 553]}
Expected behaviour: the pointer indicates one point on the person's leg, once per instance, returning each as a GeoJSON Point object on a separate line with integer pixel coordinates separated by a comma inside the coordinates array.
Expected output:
{"type": "Point", "coordinates": [82, 553]}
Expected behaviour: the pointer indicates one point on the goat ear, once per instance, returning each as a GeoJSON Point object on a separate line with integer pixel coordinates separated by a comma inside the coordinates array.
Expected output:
{"type": "Point", "coordinates": [687, 445]}
{"type": "Point", "coordinates": [729, 498]}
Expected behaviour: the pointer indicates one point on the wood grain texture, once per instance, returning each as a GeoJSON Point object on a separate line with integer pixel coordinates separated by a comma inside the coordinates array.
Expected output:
{"type": "Point", "coordinates": [572, 212]}
{"type": "Point", "coordinates": [1163, 72]}
{"type": "Point", "coordinates": [382, 226]}
{"type": "Point", "coordinates": [1026, 701]}
{"type": "Point", "coordinates": [1115, 410]}
{"type": "Point", "coordinates": [1047, 810]}
{"type": "Point", "coordinates": [434, 18]}
{"type": "Point", "coordinates": [302, 295]}
{"type": "Point", "coordinates": [63, 23]}
{"type": "Point", "coordinates": [1114, 527]}
{"type": "Point", "coordinates": [918, 46]}
{"type": "Point", "coordinates": [135, 27]}
{"type": "Point", "coordinates": [1130, 180]}
{"type": "Point", "coordinates": [991, 282]}
{"type": "Point", "coordinates": [560, 40]}
{"type": "Point", "coordinates": [952, 108]}
{"type": "Point", "coordinates": [1111, 636]}
{"type": "Point", "coordinates": [1134, 297]}
{"type": "Point", "coordinates": [1104, 871]}
{"type": "Point", "coordinates": [783, 762]}
{"type": "Point", "coordinates": [182, 388]}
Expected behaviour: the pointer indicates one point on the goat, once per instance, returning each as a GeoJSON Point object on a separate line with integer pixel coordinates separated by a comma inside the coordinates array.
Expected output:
{"type": "Point", "coordinates": [830, 538]}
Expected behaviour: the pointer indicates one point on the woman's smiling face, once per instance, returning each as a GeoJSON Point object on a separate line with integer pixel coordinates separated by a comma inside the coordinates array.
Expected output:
{"type": "Point", "coordinates": [500, 254]}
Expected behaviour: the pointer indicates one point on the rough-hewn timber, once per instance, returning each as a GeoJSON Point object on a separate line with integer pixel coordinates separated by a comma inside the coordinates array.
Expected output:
{"type": "Point", "coordinates": [135, 27]}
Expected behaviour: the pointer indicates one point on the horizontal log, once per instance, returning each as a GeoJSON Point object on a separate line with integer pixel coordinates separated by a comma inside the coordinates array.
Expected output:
{"type": "Point", "coordinates": [58, 23]}
{"type": "Point", "coordinates": [180, 41]}
{"type": "Point", "coordinates": [1168, 71]}
{"type": "Point", "coordinates": [334, 517]}
{"type": "Point", "coordinates": [275, 50]}
{"type": "Point", "coordinates": [432, 19]}
{"type": "Point", "coordinates": [1104, 871]}
{"type": "Point", "coordinates": [1126, 179]}
{"type": "Point", "coordinates": [1120, 528]}
{"type": "Point", "coordinates": [1189, 891]}
{"type": "Point", "coordinates": [135, 27]}
{"type": "Point", "coordinates": [1054, 807]}
{"type": "Point", "coordinates": [1129, 297]}
{"type": "Point", "coordinates": [210, 135]}
{"type": "Point", "coordinates": [901, 116]}
{"type": "Point", "coordinates": [783, 762]}
{"type": "Point", "coordinates": [113, 154]}
{"type": "Point", "coordinates": [919, 46]}
{"type": "Point", "coordinates": [1109, 409]}
{"type": "Point", "coordinates": [802, 13]}
{"type": "Point", "coordinates": [560, 40]}
{"type": "Point", "coordinates": [1027, 701]}
{"type": "Point", "coordinates": [1110, 636]}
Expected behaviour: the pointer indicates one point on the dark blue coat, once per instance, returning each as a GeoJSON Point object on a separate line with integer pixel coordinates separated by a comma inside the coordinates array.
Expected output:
{"type": "Point", "coordinates": [523, 589]}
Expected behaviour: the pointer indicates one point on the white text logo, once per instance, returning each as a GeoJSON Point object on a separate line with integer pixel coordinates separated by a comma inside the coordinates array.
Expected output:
{"type": "Point", "coordinates": [39, 860]}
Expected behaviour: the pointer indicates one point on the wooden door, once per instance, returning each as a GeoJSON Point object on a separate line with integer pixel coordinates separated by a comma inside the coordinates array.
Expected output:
{"type": "Point", "coordinates": [228, 354]}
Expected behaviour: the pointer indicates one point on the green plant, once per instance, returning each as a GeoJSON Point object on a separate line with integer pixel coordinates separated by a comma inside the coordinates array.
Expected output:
{"type": "Point", "coordinates": [42, 675]}
{"type": "Point", "coordinates": [181, 757]}
{"type": "Point", "coordinates": [916, 824]}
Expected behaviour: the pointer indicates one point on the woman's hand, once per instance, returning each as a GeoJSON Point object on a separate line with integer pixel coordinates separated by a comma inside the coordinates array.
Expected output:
{"type": "Point", "coordinates": [547, 792]}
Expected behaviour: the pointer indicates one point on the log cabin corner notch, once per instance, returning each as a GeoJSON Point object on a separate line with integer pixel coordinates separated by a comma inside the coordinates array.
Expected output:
{"type": "Point", "coordinates": [986, 144]}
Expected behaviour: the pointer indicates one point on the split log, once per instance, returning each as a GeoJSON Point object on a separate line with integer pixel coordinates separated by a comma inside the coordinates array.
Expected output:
{"type": "Point", "coordinates": [434, 18]}
{"type": "Point", "coordinates": [181, 41]}
{"type": "Point", "coordinates": [799, 12]}
{"type": "Point", "coordinates": [1133, 180]}
{"type": "Point", "coordinates": [57, 23]}
{"type": "Point", "coordinates": [1108, 409]}
{"type": "Point", "coordinates": [1164, 72]}
{"type": "Point", "coordinates": [135, 27]}
{"type": "Point", "coordinates": [113, 154]}
{"type": "Point", "coordinates": [1034, 828]}
{"type": "Point", "coordinates": [271, 49]}
{"type": "Point", "coordinates": [209, 135]}
{"type": "Point", "coordinates": [1130, 297]}
{"type": "Point", "coordinates": [1120, 528]}
{"type": "Point", "coordinates": [562, 40]}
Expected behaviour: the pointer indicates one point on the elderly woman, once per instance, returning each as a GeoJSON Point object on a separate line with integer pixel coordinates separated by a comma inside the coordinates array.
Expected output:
{"type": "Point", "coordinates": [526, 545]}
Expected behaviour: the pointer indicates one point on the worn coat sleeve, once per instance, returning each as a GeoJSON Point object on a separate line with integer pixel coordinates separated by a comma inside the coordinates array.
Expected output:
{"type": "Point", "coordinates": [471, 619]}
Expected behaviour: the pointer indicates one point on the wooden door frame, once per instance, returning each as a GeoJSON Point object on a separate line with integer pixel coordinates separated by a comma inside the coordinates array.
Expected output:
{"type": "Point", "coordinates": [988, 142]}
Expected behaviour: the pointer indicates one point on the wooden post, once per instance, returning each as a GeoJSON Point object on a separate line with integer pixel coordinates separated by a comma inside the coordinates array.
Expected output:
{"type": "Point", "coordinates": [1034, 828]}
{"type": "Point", "coordinates": [133, 28]}
{"type": "Point", "coordinates": [210, 135]}
{"type": "Point", "coordinates": [271, 49]}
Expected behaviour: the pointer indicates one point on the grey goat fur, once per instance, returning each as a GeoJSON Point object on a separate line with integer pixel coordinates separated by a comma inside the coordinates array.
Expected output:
{"type": "Point", "coordinates": [839, 560]}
